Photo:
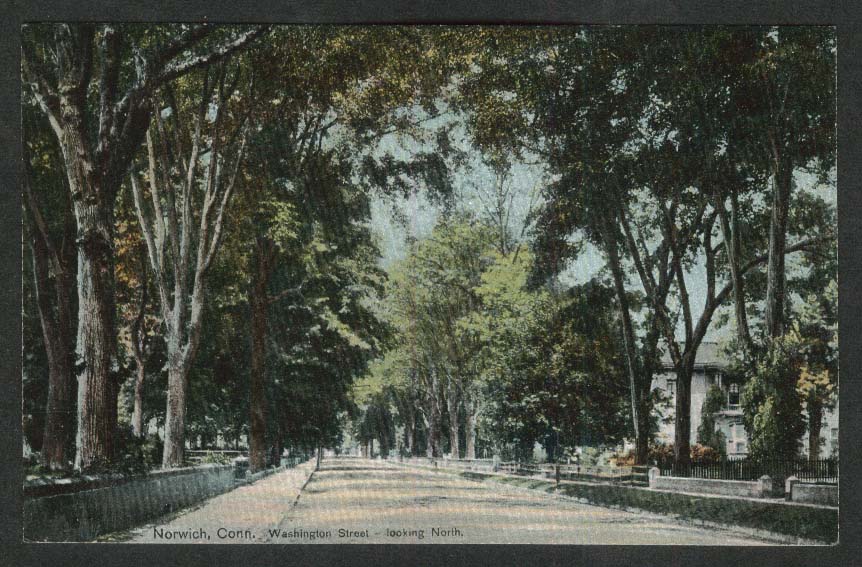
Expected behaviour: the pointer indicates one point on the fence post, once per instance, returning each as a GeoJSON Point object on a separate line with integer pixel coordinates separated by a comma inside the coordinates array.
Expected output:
{"type": "Point", "coordinates": [557, 474]}
{"type": "Point", "coordinates": [789, 483]}
{"type": "Point", "coordinates": [654, 473]}
{"type": "Point", "coordinates": [764, 484]}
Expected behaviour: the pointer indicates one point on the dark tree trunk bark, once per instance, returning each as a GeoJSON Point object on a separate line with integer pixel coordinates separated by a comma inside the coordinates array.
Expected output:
{"type": "Point", "coordinates": [56, 322]}
{"type": "Point", "coordinates": [642, 441]}
{"type": "Point", "coordinates": [139, 349]}
{"type": "Point", "coordinates": [57, 334]}
{"type": "Point", "coordinates": [279, 447]}
{"type": "Point", "coordinates": [435, 418]}
{"type": "Point", "coordinates": [259, 306]}
{"type": "Point", "coordinates": [733, 248]}
{"type": "Point", "coordinates": [174, 449]}
{"type": "Point", "coordinates": [682, 408]}
{"type": "Point", "coordinates": [636, 387]}
{"type": "Point", "coordinates": [775, 271]}
{"type": "Point", "coordinates": [470, 429]}
{"type": "Point", "coordinates": [452, 405]}
{"type": "Point", "coordinates": [96, 335]}
{"type": "Point", "coordinates": [138, 409]}
{"type": "Point", "coordinates": [815, 422]}
{"type": "Point", "coordinates": [93, 192]}
{"type": "Point", "coordinates": [429, 440]}
{"type": "Point", "coordinates": [410, 431]}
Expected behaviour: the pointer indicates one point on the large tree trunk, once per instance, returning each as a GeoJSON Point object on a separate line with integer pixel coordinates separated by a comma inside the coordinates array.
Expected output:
{"type": "Point", "coordinates": [635, 380]}
{"type": "Point", "coordinates": [93, 194]}
{"type": "Point", "coordinates": [139, 348]}
{"type": "Point", "coordinates": [410, 431]}
{"type": "Point", "coordinates": [96, 335]}
{"type": "Point", "coordinates": [174, 449]}
{"type": "Point", "coordinates": [429, 438]}
{"type": "Point", "coordinates": [59, 421]}
{"type": "Point", "coordinates": [138, 408]}
{"type": "Point", "coordinates": [452, 405]}
{"type": "Point", "coordinates": [682, 417]}
{"type": "Point", "coordinates": [279, 446]}
{"type": "Point", "coordinates": [815, 421]}
{"type": "Point", "coordinates": [57, 335]}
{"type": "Point", "coordinates": [733, 248]}
{"type": "Point", "coordinates": [470, 428]}
{"type": "Point", "coordinates": [257, 400]}
{"type": "Point", "coordinates": [642, 441]}
{"type": "Point", "coordinates": [434, 431]}
{"type": "Point", "coordinates": [775, 272]}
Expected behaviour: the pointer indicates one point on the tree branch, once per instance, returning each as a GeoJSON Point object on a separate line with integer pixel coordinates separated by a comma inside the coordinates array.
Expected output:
{"type": "Point", "coordinates": [155, 262]}
{"type": "Point", "coordinates": [179, 68]}
{"type": "Point", "coordinates": [45, 95]}
{"type": "Point", "coordinates": [109, 51]}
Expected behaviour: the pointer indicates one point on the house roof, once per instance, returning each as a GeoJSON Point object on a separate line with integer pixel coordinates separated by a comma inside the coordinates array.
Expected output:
{"type": "Point", "coordinates": [709, 354]}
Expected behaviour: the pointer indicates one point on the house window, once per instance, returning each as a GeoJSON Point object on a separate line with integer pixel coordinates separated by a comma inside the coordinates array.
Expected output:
{"type": "Point", "coordinates": [733, 396]}
{"type": "Point", "coordinates": [737, 432]}
{"type": "Point", "coordinates": [833, 437]}
{"type": "Point", "coordinates": [671, 388]}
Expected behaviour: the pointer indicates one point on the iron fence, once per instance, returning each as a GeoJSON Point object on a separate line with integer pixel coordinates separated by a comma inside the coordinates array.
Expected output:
{"type": "Point", "coordinates": [821, 471]}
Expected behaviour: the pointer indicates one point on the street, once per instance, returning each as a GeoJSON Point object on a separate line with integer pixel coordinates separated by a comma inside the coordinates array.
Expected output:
{"type": "Point", "coordinates": [363, 501]}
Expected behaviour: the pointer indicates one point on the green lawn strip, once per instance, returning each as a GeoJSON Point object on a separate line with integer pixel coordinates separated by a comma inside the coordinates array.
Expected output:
{"type": "Point", "coordinates": [806, 522]}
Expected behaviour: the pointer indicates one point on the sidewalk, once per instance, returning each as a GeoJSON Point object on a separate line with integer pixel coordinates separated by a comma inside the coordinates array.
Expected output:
{"type": "Point", "coordinates": [240, 516]}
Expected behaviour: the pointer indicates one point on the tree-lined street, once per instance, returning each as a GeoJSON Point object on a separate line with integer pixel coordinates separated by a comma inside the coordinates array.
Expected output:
{"type": "Point", "coordinates": [598, 246]}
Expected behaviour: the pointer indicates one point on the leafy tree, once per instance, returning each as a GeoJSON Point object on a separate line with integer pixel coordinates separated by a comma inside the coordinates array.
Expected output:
{"type": "Point", "coordinates": [771, 404]}
{"type": "Point", "coordinates": [177, 222]}
{"type": "Point", "coordinates": [817, 384]}
{"type": "Point", "coordinates": [707, 433]}
{"type": "Point", "coordinates": [647, 154]}
{"type": "Point", "coordinates": [95, 93]}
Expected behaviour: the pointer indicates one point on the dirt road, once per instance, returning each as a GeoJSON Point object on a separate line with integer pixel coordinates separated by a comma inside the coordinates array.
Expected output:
{"type": "Point", "coordinates": [362, 501]}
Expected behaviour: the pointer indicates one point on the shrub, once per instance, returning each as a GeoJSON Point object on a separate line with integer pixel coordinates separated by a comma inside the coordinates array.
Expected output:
{"type": "Point", "coordinates": [216, 459]}
{"type": "Point", "coordinates": [707, 433]}
{"type": "Point", "coordinates": [137, 455]}
{"type": "Point", "coordinates": [771, 404]}
{"type": "Point", "coordinates": [662, 455]}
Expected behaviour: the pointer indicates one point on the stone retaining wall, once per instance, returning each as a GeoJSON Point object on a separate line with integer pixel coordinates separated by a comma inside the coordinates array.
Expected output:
{"type": "Point", "coordinates": [822, 494]}
{"type": "Point", "coordinates": [755, 489]}
{"type": "Point", "coordinates": [83, 509]}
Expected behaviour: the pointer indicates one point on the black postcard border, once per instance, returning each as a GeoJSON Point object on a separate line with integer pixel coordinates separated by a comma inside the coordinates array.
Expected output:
{"type": "Point", "coordinates": [845, 15]}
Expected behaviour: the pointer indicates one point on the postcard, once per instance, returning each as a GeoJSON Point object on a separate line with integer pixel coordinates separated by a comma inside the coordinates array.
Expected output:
{"type": "Point", "coordinates": [408, 284]}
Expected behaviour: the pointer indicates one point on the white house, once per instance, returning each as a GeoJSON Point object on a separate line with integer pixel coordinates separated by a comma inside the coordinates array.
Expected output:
{"type": "Point", "coordinates": [709, 368]}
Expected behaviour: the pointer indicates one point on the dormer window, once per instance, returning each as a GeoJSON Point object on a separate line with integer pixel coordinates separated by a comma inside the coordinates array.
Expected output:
{"type": "Point", "coordinates": [733, 396]}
